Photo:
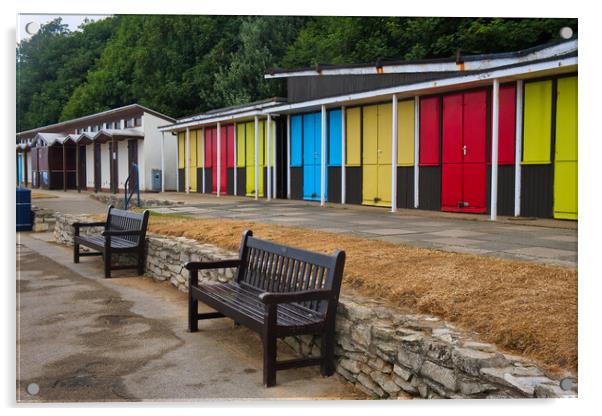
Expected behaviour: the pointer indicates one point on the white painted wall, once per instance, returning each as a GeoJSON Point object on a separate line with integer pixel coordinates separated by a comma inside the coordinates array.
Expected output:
{"type": "Point", "coordinates": [122, 164]}
{"type": "Point", "coordinates": [105, 166]}
{"type": "Point", "coordinates": [151, 149]}
{"type": "Point", "coordinates": [90, 166]}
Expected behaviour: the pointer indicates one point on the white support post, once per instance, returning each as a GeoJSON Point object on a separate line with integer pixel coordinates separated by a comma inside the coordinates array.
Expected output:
{"type": "Point", "coordinates": [187, 161]}
{"type": "Point", "coordinates": [343, 157]}
{"type": "Point", "coordinates": [394, 155]}
{"type": "Point", "coordinates": [204, 157]}
{"type": "Point", "coordinates": [518, 148]}
{"type": "Point", "coordinates": [256, 158]}
{"type": "Point", "coordinates": [274, 158]}
{"type": "Point", "coordinates": [494, 147]}
{"type": "Point", "coordinates": [177, 161]}
{"type": "Point", "coordinates": [416, 149]}
{"type": "Point", "coordinates": [235, 158]}
{"type": "Point", "coordinates": [268, 153]}
{"type": "Point", "coordinates": [288, 156]}
{"type": "Point", "coordinates": [323, 159]}
{"type": "Point", "coordinates": [219, 158]}
{"type": "Point", "coordinates": [163, 161]}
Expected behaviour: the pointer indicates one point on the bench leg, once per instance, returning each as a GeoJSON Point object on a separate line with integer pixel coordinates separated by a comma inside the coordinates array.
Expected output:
{"type": "Point", "coordinates": [193, 314]}
{"type": "Point", "coordinates": [193, 304]}
{"type": "Point", "coordinates": [107, 262]}
{"type": "Point", "coordinates": [269, 346]}
{"type": "Point", "coordinates": [269, 360]}
{"type": "Point", "coordinates": [75, 253]}
{"type": "Point", "coordinates": [327, 351]}
{"type": "Point", "coordinates": [140, 264]}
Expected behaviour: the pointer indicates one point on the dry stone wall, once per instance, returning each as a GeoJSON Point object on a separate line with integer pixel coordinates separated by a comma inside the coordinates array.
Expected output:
{"type": "Point", "coordinates": [383, 351]}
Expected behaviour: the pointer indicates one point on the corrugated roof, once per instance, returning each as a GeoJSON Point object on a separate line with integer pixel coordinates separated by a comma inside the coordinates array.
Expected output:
{"type": "Point", "coordinates": [458, 63]}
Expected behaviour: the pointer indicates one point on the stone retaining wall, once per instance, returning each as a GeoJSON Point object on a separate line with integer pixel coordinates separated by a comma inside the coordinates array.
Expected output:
{"type": "Point", "coordinates": [145, 200]}
{"type": "Point", "coordinates": [383, 351]}
{"type": "Point", "coordinates": [43, 219]}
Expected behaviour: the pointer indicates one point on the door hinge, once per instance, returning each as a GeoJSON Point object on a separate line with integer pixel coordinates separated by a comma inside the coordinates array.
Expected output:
{"type": "Point", "coordinates": [377, 199]}
{"type": "Point", "coordinates": [464, 150]}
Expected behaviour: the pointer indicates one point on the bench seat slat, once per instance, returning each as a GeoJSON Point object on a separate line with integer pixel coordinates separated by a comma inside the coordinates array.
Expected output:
{"type": "Point", "coordinates": [98, 241]}
{"type": "Point", "coordinates": [248, 300]}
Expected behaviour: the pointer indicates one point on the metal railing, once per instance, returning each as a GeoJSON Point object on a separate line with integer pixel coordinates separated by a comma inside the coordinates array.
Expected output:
{"type": "Point", "coordinates": [132, 186]}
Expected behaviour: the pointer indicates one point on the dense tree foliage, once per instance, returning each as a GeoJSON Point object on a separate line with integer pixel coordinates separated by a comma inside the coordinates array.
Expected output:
{"type": "Point", "coordinates": [181, 65]}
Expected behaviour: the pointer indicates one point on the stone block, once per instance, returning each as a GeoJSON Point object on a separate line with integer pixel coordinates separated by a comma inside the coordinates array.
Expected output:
{"type": "Point", "coordinates": [442, 375]}
{"type": "Point", "coordinates": [403, 373]}
{"type": "Point", "coordinates": [410, 359]}
{"type": "Point", "coordinates": [361, 334]}
{"type": "Point", "coordinates": [471, 361]}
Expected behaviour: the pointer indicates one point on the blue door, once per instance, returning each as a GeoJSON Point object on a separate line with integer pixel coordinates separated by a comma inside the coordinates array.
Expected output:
{"type": "Point", "coordinates": [19, 169]}
{"type": "Point", "coordinates": [312, 156]}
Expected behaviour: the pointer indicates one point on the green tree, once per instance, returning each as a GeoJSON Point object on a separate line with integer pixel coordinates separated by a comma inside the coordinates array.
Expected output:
{"type": "Point", "coordinates": [51, 64]}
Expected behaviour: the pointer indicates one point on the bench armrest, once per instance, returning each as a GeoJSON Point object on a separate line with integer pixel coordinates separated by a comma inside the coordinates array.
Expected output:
{"type": "Point", "coordinates": [301, 296]}
{"type": "Point", "coordinates": [89, 224]}
{"type": "Point", "coordinates": [204, 265]}
{"type": "Point", "coordinates": [119, 233]}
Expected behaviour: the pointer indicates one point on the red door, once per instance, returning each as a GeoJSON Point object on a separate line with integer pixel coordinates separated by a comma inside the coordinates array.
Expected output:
{"type": "Point", "coordinates": [208, 155]}
{"type": "Point", "coordinates": [451, 175]}
{"type": "Point", "coordinates": [464, 171]}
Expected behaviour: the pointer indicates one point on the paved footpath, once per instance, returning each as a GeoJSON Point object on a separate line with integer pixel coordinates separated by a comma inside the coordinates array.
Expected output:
{"type": "Point", "coordinates": [84, 338]}
{"type": "Point", "coordinates": [544, 241]}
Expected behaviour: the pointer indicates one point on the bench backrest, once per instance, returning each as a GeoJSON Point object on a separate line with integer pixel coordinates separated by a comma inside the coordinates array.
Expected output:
{"type": "Point", "coordinates": [120, 220]}
{"type": "Point", "coordinates": [273, 267]}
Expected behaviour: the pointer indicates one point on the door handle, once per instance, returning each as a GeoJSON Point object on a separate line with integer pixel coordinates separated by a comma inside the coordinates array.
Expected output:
{"type": "Point", "coordinates": [464, 150]}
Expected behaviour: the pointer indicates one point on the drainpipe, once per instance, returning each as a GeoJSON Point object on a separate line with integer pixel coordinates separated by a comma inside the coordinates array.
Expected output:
{"type": "Point", "coordinates": [416, 149]}
{"type": "Point", "coordinates": [394, 155]}
{"type": "Point", "coordinates": [268, 153]}
{"type": "Point", "coordinates": [343, 157]}
{"type": "Point", "coordinates": [256, 158]}
{"type": "Point", "coordinates": [235, 158]}
{"type": "Point", "coordinates": [494, 147]}
{"type": "Point", "coordinates": [518, 148]}
{"type": "Point", "coordinates": [204, 156]}
{"type": "Point", "coordinates": [323, 161]}
{"type": "Point", "coordinates": [219, 158]}
{"type": "Point", "coordinates": [187, 161]}
{"type": "Point", "coordinates": [288, 156]}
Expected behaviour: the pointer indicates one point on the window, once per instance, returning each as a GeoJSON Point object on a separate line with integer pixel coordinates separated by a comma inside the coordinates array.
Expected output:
{"type": "Point", "coordinates": [117, 124]}
{"type": "Point", "coordinates": [138, 121]}
{"type": "Point", "coordinates": [107, 125]}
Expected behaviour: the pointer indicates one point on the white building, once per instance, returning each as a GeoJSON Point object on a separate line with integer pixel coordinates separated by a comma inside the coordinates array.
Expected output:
{"type": "Point", "coordinates": [98, 152]}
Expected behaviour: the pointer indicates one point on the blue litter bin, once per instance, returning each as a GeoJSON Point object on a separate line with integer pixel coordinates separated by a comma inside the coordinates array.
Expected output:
{"type": "Point", "coordinates": [24, 215]}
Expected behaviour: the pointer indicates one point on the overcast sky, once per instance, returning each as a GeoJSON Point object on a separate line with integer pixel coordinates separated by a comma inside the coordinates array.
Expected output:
{"type": "Point", "coordinates": [72, 20]}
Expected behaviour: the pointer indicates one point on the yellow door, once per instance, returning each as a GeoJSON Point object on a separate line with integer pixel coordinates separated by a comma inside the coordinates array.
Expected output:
{"type": "Point", "coordinates": [250, 159]}
{"type": "Point", "coordinates": [193, 160]}
{"type": "Point", "coordinates": [565, 160]}
{"type": "Point", "coordinates": [369, 155]}
{"type": "Point", "coordinates": [353, 136]}
{"type": "Point", "coordinates": [537, 123]}
{"type": "Point", "coordinates": [261, 150]}
{"type": "Point", "coordinates": [384, 159]}
{"type": "Point", "coordinates": [240, 145]}
{"type": "Point", "coordinates": [405, 133]}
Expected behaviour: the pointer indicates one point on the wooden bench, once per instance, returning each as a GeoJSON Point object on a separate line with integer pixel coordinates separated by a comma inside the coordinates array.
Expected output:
{"type": "Point", "coordinates": [277, 291]}
{"type": "Point", "coordinates": [124, 232]}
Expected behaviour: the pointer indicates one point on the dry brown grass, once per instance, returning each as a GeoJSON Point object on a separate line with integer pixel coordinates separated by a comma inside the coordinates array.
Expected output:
{"type": "Point", "coordinates": [41, 195]}
{"type": "Point", "coordinates": [522, 307]}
